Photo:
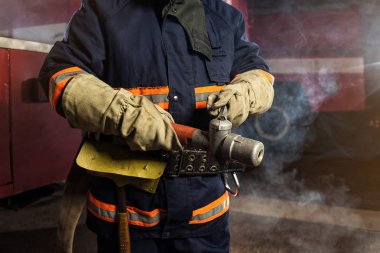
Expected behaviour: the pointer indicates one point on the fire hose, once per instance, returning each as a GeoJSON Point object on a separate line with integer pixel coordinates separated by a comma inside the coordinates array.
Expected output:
{"type": "Point", "coordinates": [221, 144]}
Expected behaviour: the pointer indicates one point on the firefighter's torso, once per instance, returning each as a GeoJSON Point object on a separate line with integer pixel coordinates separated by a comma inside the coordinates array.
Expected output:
{"type": "Point", "coordinates": [145, 51]}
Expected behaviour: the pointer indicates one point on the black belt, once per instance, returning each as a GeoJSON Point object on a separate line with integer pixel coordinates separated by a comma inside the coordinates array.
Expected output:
{"type": "Point", "coordinates": [190, 162]}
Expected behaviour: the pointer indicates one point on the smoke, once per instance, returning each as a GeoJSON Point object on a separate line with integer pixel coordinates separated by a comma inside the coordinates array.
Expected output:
{"type": "Point", "coordinates": [371, 46]}
{"type": "Point", "coordinates": [292, 210]}
{"type": "Point", "coordinates": [319, 133]}
{"type": "Point", "coordinates": [325, 55]}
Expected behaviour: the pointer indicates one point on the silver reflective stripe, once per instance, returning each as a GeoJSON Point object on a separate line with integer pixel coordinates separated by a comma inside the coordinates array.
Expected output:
{"type": "Point", "coordinates": [144, 219]}
{"type": "Point", "coordinates": [203, 96]}
{"type": "Point", "coordinates": [212, 212]}
{"type": "Point", "coordinates": [160, 94]}
{"type": "Point", "coordinates": [101, 212]}
{"type": "Point", "coordinates": [68, 74]}
{"type": "Point", "coordinates": [111, 216]}
{"type": "Point", "coordinates": [199, 97]}
{"type": "Point", "coordinates": [158, 98]}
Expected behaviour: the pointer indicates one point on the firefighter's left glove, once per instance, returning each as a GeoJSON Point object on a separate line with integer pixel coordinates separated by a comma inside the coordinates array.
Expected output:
{"type": "Point", "coordinates": [248, 93]}
{"type": "Point", "coordinates": [92, 105]}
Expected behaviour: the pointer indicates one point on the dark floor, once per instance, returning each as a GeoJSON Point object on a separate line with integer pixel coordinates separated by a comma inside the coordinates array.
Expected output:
{"type": "Point", "coordinates": [318, 206]}
{"type": "Point", "coordinates": [258, 234]}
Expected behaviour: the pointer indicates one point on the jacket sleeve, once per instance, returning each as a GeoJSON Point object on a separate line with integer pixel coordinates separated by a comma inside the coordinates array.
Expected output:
{"type": "Point", "coordinates": [82, 50]}
{"type": "Point", "coordinates": [246, 53]}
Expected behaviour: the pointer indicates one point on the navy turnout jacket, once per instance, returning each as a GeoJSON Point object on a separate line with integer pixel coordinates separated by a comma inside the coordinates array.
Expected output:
{"type": "Point", "coordinates": [127, 44]}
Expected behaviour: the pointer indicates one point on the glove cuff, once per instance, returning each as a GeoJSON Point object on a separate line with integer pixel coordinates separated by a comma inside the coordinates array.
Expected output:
{"type": "Point", "coordinates": [258, 87]}
{"type": "Point", "coordinates": [252, 74]}
{"type": "Point", "coordinates": [267, 75]}
{"type": "Point", "coordinates": [92, 105]}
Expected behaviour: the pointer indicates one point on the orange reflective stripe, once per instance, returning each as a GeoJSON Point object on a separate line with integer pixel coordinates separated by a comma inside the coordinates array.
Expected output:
{"type": "Point", "coordinates": [211, 211]}
{"type": "Point", "coordinates": [165, 90]}
{"type": "Point", "coordinates": [100, 204]}
{"type": "Point", "coordinates": [149, 90]}
{"type": "Point", "coordinates": [58, 82]}
{"type": "Point", "coordinates": [142, 224]}
{"type": "Point", "coordinates": [159, 95]}
{"type": "Point", "coordinates": [67, 70]}
{"type": "Point", "coordinates": [163, 105]}
{"type": "Point", "coordinates": [145, 213]}
{"type": "Point", "coordinates": [108, 219]}
{"type": "Point", "coordinates": [137, 217]}
{"type": "Point", "coordinates": [213, 204]}
{"type": "Point", "coordinates": [58, 91]}
{"type": "Point", "coordinates": [207, 89]}
{"type": "Point", "coordinates": [201, 105]}
{"type": "Point", "coordinates": [142, 218]}
{"type": "Point", "coordinates": [202, 93]}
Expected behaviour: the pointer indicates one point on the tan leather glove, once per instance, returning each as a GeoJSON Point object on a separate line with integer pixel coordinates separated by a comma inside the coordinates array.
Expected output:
{"type": "Point", "coordinates": [92, 105]}
{"type": "Point", "coordinates": [248, 93]}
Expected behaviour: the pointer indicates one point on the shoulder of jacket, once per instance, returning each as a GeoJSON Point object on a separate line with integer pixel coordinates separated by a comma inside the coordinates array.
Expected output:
{"type": "Point", "coordinates": [223, 10]}
{"type": "Point", "coordinates": [105, 9]}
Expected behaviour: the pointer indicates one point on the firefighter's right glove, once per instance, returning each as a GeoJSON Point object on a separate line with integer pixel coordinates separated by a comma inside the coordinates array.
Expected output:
{"type": "Point", "coordinates": [248, 93]}
{"type": "Point", "coordinates": [92, 105]}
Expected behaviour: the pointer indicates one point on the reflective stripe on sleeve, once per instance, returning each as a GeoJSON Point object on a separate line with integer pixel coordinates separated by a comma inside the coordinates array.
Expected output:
{"type": "Point", "coordinates": [158, 95]}
{"type": "Point", "coordinates": [212, 211]}
{"type": "Point", "coordinates": [137, 217]}
{"type": "Point", "coordinates": [201, 94]}
{"type": "Point", "coordinates": [58, 82]}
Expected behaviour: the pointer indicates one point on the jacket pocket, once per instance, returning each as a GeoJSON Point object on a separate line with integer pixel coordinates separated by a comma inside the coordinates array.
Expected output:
{"type": "Point", "coordinates": [218, 67]}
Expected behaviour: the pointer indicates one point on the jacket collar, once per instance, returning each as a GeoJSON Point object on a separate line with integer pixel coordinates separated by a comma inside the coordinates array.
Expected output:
{"type": "Point", "coordinates": [191, 15]}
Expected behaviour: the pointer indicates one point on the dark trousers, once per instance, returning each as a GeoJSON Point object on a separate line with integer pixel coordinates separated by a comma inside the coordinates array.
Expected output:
{"type": "Point", "coordinates": [215, 243]}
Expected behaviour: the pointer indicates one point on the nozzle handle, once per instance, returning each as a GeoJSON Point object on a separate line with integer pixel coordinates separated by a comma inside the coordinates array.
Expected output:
{"type": "Point", "coordinates": [191, 135]}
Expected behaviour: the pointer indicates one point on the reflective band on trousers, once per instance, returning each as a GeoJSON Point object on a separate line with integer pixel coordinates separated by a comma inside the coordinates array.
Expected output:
{"type": "Point", "coordinates": [108, 212]}
{"type": "Point", "coordinates": [58, 82]}
{"type": "Point", "coordinates": [137, 217]}
{"type": "Point", "coordinates": [211, 211]}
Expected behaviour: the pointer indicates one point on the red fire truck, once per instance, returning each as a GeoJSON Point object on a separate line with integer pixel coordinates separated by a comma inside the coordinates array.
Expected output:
{"type": "Point", "coordinates": [325, 57]}
{"type": "Point", "coordinates": [36, 145]}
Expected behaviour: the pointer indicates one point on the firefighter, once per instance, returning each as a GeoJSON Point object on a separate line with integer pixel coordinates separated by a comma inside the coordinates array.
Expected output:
{"type": "Point", "coordinates": [128, 69]}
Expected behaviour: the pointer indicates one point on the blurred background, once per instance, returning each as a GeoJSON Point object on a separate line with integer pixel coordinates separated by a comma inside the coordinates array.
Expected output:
{"type": "Point", "coordinates": [318, 189]}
